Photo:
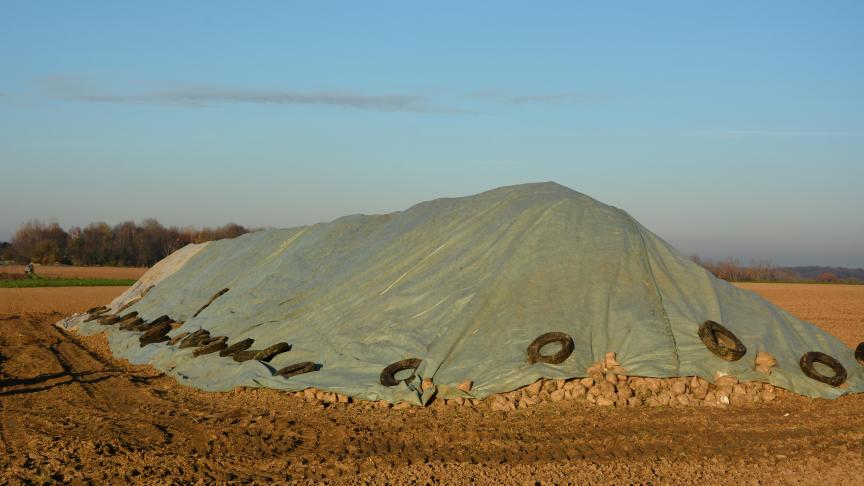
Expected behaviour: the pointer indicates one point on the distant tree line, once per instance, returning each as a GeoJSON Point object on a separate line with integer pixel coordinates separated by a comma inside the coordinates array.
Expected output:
{"type": "Point", "coordinates": [732, 270]}
{"type": "Point", "coordinates": [131, 244]}
{"type": "Point", "coordinates": [124, 244]}
{"type": "Point", "coordinates": [830, 274]}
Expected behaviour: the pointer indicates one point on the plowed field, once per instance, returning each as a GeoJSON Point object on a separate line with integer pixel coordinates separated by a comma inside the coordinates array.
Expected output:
{"type": "Point", "coordinates": [65, 271]}
{"type": "Point", "coordinates": [839, 309]}
{"type": "Point", "coordinates": [71, 413]}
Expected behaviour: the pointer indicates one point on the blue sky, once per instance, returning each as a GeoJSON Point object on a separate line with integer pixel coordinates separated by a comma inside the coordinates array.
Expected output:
{"type": "Point", "coordinates": [733, 129]}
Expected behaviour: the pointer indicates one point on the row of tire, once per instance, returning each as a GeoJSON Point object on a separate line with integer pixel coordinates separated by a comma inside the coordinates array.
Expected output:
{"type": "Point", "coordinates": [718, 339]}
{"type": "Point", "coordinates": [156, 331]}
{"type": "Point", "coordinates": [723, 343]}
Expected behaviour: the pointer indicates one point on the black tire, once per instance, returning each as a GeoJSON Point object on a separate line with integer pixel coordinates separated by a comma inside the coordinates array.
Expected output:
{"type": "Point", "coordinates": [194, 340]}
{"type": "Point", "coordinates": [859, 354]}
{"type": "Point", "coordinates": [211, 345]}
{"type": "Point", "coordinates": [267, 354]}
{"type": "Point", "coordinates": [297, 369]}
{"type": "Point", "coordinates": [708, 332]}
{"type": "Point", "coordinates": [210, 340]}
{"type": "Point", "coordinates": [242, 356]}
{"type": "Point", "coordinates": [161, 319]}
{"type": "Point", "coordinates": [131, 324]}
{"type": "Point", "coordinates": [176, 339]}
{"type": "Point", "coordinates": [108, 320]}
{"type": "Point", "coordinates": [237, 347]}
{"type": "Point", "coordinates": [103, 312]}
{"type": "Point", "coordinates": [816, 357]}
{"type": "Point", "coordinates": [156, 334]}
{"type": "Point", "coordinates": [566, 341]}
{"type": "Point", "coordinates": [146, 326]}
{"type": "Point", "coordinates": [158, 330]}
{"type": "Point", "coordinates": [388, 375]}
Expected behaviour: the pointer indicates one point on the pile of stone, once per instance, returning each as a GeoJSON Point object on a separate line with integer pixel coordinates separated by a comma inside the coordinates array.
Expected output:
{"type": "Point", "coordinates": [607, 385]}
{"type": "Point", "coordinates": [313, 395]}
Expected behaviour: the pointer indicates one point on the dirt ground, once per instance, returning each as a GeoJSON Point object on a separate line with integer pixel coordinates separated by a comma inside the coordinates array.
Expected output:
{"type": "Point", "coordinates": [66, 271]}
{"type": "Point", "coordinates": [70, 413]}
{"type": "Point", "coordinates": [63, 301]}
{"type": "Point", "coordinates": [839, 309]}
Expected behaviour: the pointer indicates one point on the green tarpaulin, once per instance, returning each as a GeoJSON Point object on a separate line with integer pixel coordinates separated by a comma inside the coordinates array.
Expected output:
{"type": "Point", "coordinates": [465, 285]}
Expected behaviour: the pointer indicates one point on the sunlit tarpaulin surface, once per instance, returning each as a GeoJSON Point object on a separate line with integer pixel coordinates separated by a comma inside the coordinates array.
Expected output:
{"type": "Point", "coordinates": [465, 284]}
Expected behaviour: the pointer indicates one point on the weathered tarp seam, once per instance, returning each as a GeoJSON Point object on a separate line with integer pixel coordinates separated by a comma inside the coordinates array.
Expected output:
{"type": "Point", "coordinates": [647, 262]}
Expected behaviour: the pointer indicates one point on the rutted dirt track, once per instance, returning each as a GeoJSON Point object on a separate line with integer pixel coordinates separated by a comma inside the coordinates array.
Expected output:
{"type": "Point", "coordinates": [70, 412]}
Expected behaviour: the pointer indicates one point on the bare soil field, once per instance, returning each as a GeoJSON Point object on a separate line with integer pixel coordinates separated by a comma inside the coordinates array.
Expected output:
{"type": "Point", "coordinates": [69, 412]}
{"type": "Point", "coordinates": [839, 309]}
{"type": "Point", "coordinates": [66, 271]}
{"type": "Point", "coordinates": [63, 301]}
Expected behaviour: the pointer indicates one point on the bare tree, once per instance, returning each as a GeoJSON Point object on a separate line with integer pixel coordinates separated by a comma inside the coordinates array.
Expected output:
{"type": "Point", "coordinates": [39, 242]}
{"type": "Point", "coordinates": [126, 243]}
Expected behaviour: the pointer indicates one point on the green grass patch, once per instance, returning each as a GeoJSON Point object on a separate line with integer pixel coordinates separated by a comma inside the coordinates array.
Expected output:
{"type": "Point", "coordinates": [64, 282]}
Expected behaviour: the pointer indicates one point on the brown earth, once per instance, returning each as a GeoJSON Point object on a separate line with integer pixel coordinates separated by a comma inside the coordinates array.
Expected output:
{"type": "Point", "coordinates": [69, 412]}
{"type": "Point", "coordinates": [41, 301]}
{"type": "Point", "coordinates": [66, 271]}
{"type": "Point", "coordinates": [839, 309]}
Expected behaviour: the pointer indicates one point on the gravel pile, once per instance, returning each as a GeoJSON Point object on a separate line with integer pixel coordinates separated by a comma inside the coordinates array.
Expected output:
{"type": "Point", "coordinates": [612, 389]}
{"type": "Point", "coordinates": [607, 385]}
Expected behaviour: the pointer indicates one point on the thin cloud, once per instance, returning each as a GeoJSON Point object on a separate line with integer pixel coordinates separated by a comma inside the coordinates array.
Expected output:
{"type": "Point", "coordinates": [563, 97]}
{"type": "Point", "coordinates": [81, 89]}
{"type": "Point", "coordinates": [202, 96]}
{"type": "Point", "coordinates": [771, 133]}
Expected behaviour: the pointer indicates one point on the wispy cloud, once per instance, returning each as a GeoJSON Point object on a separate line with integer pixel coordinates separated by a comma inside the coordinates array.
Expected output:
{"type": "Point", "coordinates": [86, 90]}
{"type": "Point", "coordinates": [202, 96]}
{"type": "Point", "coordinates": [211, 96]}
{"type": "Point", "coordinates": [563, 97]}
{"type": "Point", "coordinates": [769, 133]}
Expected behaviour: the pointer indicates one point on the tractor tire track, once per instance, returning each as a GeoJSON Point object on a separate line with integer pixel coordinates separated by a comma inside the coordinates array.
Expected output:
{"type": "Point", "coordinates": [69, 412]}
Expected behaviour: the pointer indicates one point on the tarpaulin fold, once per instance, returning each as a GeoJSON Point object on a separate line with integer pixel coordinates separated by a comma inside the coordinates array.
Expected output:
{"type": "Point", "coordinates": [465, 284]}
